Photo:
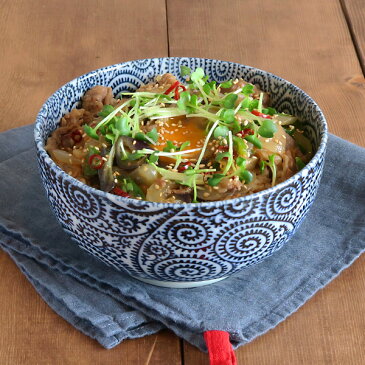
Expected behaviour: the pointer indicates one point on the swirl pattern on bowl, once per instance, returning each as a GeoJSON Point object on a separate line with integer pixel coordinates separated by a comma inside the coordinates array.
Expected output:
{"type": "Point", "coordinates": [171, 242]}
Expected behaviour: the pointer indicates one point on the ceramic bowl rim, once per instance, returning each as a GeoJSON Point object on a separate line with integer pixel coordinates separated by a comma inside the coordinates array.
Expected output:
{"type": "Point", "coordinates": [143, 203]}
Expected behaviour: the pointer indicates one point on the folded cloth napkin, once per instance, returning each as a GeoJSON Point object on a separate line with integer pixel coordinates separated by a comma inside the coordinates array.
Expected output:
{"type": "Point", "coordinates": [110, 306]}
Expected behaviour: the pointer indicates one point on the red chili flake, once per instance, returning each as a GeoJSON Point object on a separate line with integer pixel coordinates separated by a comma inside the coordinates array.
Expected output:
{"type": "Point", "coordinates": [96, 161]}
{"type": "Point", "coordinates": [177, 93]}
{"type": "Point", "coordinates": [175, 86]}
{"type": "Point", "coordinates": [172, 87]}
{"type": "Point", "coordinates": [76, 135]}
{"type": "Point", "coordinates": [222, 148]}
{"type": "Point", "coordinates": [184, 166]}
{"type": "Point", "coordinates": [247, 132]}
{"type": "Point", "coordinates": [258, 114]}
{"type": "Point", "coordinates": [120, 192]}
{"type": "Point", "coordinates": [225, 149]}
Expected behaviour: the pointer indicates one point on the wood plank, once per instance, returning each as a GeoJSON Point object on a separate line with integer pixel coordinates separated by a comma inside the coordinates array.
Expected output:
{"type": "Point", "coordinates": [309, 44]}
{"type": "Point", "coordinates": [354, 11]}
{"type": "Point", "coordinates": [44, 45]}
{"type": "Point", "coordinates": [31, 333]}
{"type": "Point", "coordinates": [286, 38]}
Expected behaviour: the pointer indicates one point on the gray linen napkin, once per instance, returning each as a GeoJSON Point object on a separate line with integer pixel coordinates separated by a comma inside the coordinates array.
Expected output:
{"type": "Point", "coordinates": [110, 306]}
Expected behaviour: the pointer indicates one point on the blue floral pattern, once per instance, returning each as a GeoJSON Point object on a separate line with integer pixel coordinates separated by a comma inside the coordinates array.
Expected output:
{"type": "Point", "coordinates": [171, 242]}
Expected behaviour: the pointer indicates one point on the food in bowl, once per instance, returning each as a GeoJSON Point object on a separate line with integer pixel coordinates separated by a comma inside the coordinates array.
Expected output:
{"type": "Point", "coordinates": [172, 142]}
{"type": "Point", "coordinates": [180, 245]}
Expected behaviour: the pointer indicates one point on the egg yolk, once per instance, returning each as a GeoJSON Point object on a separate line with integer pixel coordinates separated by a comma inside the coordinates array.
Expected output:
{"type": "Point", "coordinates": [179, 130]}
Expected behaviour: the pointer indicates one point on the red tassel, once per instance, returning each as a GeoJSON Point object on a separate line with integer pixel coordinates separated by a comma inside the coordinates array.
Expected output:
{"type": "Point", "coordinates": [219, 348]}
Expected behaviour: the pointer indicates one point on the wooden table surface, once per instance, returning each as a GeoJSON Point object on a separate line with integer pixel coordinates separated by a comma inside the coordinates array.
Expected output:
{"type": "Point", "coordinates": [318, 45]}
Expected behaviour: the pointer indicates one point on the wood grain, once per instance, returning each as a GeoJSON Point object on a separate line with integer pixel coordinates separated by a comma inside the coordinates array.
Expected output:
{"type": "Point", "coordinates": [306, 42]}
{"type": "Point", "coordinates": [354, 11]}
{"type": "Point", "coordinates": [31, 333]}
{"type": "Point", "coordinates": [45, 44]}
{"type": "Point", "coordinates": [309, 44]}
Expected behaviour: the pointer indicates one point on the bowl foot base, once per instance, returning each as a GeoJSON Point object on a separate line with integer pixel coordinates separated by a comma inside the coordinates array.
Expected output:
{"type": "Point", "coordinates": [177, 284]}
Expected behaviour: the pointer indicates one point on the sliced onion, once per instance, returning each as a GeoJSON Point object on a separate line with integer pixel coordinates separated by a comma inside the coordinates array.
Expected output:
{"type": "Point", "coordinates": [277, 143]}
{"type": "Point", "coordinates": [79, 153]}
{"type": "Point", "coordinates": [65, 157]}
{"type": "Point", "coordinates": [285, 119]}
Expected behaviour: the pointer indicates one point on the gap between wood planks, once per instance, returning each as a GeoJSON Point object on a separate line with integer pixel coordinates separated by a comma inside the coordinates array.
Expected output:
{"type": "Point", "coordinates": [351, 31]}
{"type": "Point", "coordinates": [182, 353]}
{"type": "Point", "coordinates": [167, 28]}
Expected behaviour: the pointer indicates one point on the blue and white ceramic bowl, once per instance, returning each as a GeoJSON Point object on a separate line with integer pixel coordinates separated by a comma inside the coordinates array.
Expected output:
{"type": "Point", "coordinates": [177, 245]}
